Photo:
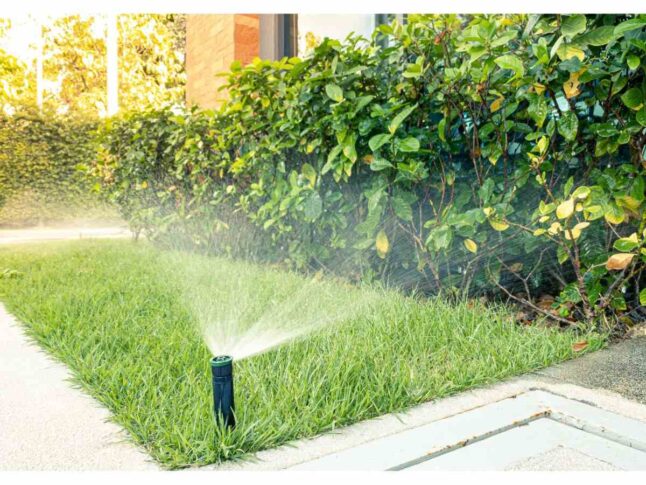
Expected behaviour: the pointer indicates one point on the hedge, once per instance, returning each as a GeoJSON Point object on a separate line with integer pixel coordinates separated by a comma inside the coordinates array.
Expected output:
{"type": "Point", "coordinates": [40, 176]}
{"type": "Point", "coordinates": [464, 154]}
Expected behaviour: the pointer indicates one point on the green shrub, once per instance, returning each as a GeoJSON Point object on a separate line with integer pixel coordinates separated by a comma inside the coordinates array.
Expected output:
{"type": "Point", "coordinates": [40, 176]}
{"type": "Point", "coordinates": [467, 154]}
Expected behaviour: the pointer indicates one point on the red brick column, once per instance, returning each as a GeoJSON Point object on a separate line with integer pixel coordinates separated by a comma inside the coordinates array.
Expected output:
{"type": "Point", "coordinates": [213, 42]}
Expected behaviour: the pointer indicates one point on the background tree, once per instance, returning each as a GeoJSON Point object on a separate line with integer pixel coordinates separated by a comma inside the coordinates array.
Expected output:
{"type": "Point", "coordinates": [14, 77]}
{"type": "Point", "coordinates": [151, 62]}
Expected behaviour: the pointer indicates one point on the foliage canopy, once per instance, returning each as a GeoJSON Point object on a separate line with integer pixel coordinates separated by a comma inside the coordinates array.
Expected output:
{"type": "Point", "coordinates": [473, 154]}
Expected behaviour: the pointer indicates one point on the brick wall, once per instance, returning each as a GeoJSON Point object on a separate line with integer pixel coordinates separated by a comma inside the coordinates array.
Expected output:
{"type": "Point", "coordinates": [213, 42]}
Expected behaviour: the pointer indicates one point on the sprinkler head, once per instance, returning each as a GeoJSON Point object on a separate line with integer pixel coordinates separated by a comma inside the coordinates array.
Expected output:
{"type": "Point", "coordinates": [222, 372]}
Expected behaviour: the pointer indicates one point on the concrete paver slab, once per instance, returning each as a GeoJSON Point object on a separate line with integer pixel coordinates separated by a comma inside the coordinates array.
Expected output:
{"type": "Point", "coordinates": [561, 458]}
{"type": "Point", "coordinates": [538, 438]}
{"type": "Point", "coordinates": [495, 435]}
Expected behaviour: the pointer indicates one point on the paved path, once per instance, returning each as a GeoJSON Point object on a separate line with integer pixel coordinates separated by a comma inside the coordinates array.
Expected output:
{"type": "Point", "coordinates": [621, 368]}
{"type": "Point", "coordinates": [19, 236]}
{"type": "Point", "coordinates": [45, 422]}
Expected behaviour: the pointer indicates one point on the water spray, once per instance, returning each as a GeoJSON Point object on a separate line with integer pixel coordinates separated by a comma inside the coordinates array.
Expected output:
{"type": "Point", "coordinates": [222, 371]}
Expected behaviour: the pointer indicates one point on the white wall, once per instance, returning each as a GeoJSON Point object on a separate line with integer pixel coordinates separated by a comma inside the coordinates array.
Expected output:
{"type": "Point", "coordinates": [333, 26]}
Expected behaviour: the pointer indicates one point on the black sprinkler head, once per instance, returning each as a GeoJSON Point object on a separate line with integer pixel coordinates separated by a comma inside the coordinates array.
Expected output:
{"type": "Point", "coordinates": [222, 371]}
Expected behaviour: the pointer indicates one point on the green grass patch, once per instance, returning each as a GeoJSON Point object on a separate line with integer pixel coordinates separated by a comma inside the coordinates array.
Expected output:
{"type": "Point", "coordinates": [124, 317]}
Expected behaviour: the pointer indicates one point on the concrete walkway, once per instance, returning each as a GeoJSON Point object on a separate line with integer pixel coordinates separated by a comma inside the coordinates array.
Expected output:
{"type": "Point", "coordinates": [19, 236]}
{"type": "Point", "coordinates": [46, 423]}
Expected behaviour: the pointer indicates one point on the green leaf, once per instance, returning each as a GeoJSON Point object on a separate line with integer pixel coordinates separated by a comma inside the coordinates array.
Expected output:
{"type": "Point", "coordinates": [627, 26]}
{"type": "Point", "coordinates": [309, 173]}
{"type": "Point", "coordinates": [504, 38]}
{"type": "Point", "coordinates": [334, 92]}
{"type": "Point", "coordinates": [362, 102]}
{"type": "Point", "coordinates": [626, 244]}
{"type": "Point", "coordinates": [512, 62]}
{"type": "Point", "coordinates": [401, 116]}
{"type": "Point", "coordinates": [537, 109]}
{"type": "Point", "coordinates": [441, 126]}
{"type": "Point", "coordinates": [573, 25]}
{"type": "Point", "coordinates": [408, 145]}
{"type": "Point", "coordinates": [642, 297]}
{"type": "Point", "coordinates": [556, 46]}
{"type": "Point", "coordinates": [402, 208]}
{"type": "Point", "coordinates": [568, 125]}
{"type": "Point", "coordinates": [313, 206]}
{"type": "Point", "coordinates": [412, 71]}
{"type": "Point", "coordinates": [633, 98]}
{"type": "Point", "coordinates": [349, 148]}
{"type": "Point", "coordinates": [379, 164]}
{"type": "Point", "coordinates": [633, 61]}
{"type": "Point", "coordinates": [641, 116]}
{"type": "Point", "coordinates": [334, 153]}
{"type": "Point", "coordinates": [378, 141]}
{"type": "Point", "coordinates": [598, 37]}
{"type": "Point", "coordinates": [440, 238]}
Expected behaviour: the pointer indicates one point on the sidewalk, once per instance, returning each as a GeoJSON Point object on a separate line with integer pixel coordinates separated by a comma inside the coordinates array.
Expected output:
{"type": "Point", "coordinates": [46, 423]}
{"type": "Point", "coordinates": [16, 236]}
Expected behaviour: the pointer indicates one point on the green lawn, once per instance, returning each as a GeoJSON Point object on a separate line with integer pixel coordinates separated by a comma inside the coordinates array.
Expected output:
{"type": "Point", "coordinates": [125, 316]}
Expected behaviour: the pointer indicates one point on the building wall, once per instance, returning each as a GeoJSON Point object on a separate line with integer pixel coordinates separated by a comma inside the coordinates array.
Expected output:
{"type": "Point", "coordinates": [213, 42]}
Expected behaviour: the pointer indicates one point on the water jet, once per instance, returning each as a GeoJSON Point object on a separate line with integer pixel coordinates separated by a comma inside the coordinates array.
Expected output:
{"type": "Point", "coordinates": [223, 406]}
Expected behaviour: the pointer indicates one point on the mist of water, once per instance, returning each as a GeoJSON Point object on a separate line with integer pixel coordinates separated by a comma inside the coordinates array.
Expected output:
{"type": "Point", "coordinates": [244, 309]}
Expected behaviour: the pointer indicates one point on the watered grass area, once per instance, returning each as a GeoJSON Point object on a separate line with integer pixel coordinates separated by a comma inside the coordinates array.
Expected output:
{"type": "Point", "coordinates": [123, 317]}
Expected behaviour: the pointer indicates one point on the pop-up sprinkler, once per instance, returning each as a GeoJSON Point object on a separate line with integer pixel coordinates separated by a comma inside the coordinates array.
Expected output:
{"type": "Point", "coordinates": [222, 370]}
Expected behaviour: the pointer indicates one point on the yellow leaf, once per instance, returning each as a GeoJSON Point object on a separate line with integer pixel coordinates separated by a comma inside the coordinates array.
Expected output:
{"type": "Point", "coordinates": [539, 88]}
{"type": "Point", "coordinates": [554, 228]}
{"type": "Point", "coordinates": [575, 232]}
{"type": "Point", "coordinates": [499, 225]}
{"type": "Point", "coordinates": [568, 51]}
{"type": "Point", "coordinates": [144, 184]}
{"type": "Point", "coordinates": [619, 261]}
{"type": "Point", "coordinates": [497, 104]}
{"type": "Point", "coordinates": [565, 209]}
{"type": "Point", "coordinates": [382, 244]}
{"type": "Point", "coordinates": [539, 232]}
{"type": "Point", "coordinates": [571, 86]}
{"type": "Point", "coordinates": [633, 238]}
{"type": "Point", "coordinates": [471, 245]}
{"type": "Point", "coordinates": [614, 217]}
{"type": "Point", "coordinates": [487, 211]}
{"type": "Point", "coordinates": [628, 202]}
{"type": "Point", "coordinates": [544, 219]}
{"type": "Point", "coordinates": [581, 225]}
{"type": "Point", "coordinates": [516, 267]}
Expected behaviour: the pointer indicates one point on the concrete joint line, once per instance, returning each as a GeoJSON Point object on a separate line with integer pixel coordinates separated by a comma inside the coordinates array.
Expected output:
{"type": "Point", "coordinates": [423, 443]}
